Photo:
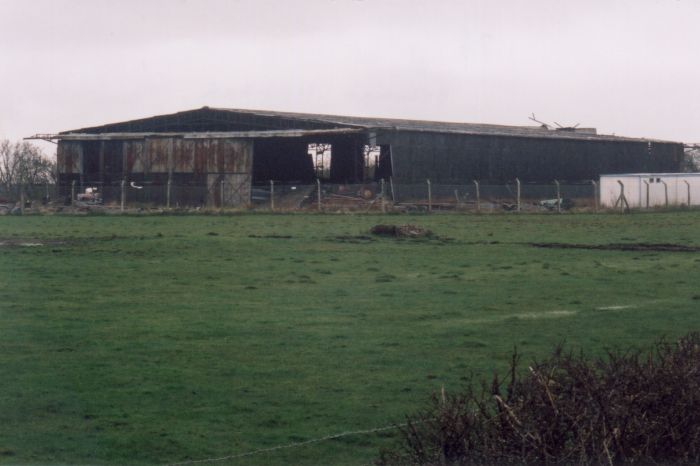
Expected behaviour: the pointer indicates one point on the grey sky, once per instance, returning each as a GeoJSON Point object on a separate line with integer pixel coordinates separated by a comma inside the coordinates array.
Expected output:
{"type": "Point", "coordinates": [629, 67]}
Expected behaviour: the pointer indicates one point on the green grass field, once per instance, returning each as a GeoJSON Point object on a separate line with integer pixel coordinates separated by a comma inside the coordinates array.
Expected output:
{"type": "Point", "coordinates": [158, 339]}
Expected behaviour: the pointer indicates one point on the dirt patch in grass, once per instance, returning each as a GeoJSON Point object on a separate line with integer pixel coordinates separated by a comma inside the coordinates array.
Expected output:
{"type": "Point", "coordinates": [355, 239]}
{"type": "Point", "coordinates": [650, 247]}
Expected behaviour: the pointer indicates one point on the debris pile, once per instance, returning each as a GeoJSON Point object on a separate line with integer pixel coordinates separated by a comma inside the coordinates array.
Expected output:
{"type": "Point", "coordinates": [401, 231]}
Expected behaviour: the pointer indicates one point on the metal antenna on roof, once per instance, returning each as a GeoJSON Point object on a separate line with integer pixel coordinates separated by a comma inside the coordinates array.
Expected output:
{"type": "Point", "coordinates": [566, 128]}
{"type": "Point", "coordinates": [550, 127]}
{"type": "Point", "coordinates": [544, 125]}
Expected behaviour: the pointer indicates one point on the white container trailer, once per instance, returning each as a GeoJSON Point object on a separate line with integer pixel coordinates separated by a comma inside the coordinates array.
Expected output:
{"type": "Point", "coordinates": [650, 189]}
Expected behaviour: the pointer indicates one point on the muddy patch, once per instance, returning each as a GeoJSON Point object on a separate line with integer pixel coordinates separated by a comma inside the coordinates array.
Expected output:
{"type": "Point", "coordinates": [637, 247]}
{"type": "Point", "coordinates": [401, 231]}
{"type": "Point", "coordinates": [353, 239]}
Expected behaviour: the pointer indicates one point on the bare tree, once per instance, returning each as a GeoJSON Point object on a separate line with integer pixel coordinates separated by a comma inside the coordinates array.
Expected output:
{"type": "Point", "coordinates": [23, 164]}
{"type": "Point", "coordinates": [691, 158]}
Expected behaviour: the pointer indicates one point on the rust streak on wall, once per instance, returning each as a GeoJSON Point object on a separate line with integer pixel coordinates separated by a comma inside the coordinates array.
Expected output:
{"type": "Point", "coordinates": [197, 166]}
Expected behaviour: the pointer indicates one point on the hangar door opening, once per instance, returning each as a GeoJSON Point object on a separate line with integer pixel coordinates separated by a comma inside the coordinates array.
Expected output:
{"type": "Point", "coordinates": [335, 160]}
{"type": "Point", "coordinates": [375, 160]}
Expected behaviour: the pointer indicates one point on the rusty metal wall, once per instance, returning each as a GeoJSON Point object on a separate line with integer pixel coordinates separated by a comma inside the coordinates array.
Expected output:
{"type": "Point", "coordinates": [68, 157]}
{"type": "Point", "coordinates": [195, 162]}
{"type": "Point", "coordinates": [157, 150]}
{"type": "Point", "coordinates": [69, 163]}
{"type": "Point", "coordinates": [134, 157]}
{"type": "Point", "coordinates": [183, 155]}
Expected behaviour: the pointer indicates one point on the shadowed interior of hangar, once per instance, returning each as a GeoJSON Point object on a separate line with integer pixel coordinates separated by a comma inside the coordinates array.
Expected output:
{"type": "Point", "coordinates": [336, 160]}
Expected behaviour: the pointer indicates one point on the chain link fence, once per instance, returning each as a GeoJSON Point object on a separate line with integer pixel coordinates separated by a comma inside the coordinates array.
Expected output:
{"type": "Point", "coordinates": [494, 197]}
{"type": "Point", "coordinates": [383, 196]}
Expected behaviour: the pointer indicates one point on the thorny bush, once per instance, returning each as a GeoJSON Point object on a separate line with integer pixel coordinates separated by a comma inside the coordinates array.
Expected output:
{"type": "Point", "coordinates": [631, 407]}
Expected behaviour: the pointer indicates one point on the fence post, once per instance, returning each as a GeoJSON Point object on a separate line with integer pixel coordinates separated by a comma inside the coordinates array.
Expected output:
{"type": "Point", "coordinates": [22, 201]}
{"type": "Point", "coordinates": [688, 186]}
{"type": "Point", "coordinates": [478, 196]}
{"type": "Point", "coordinates": [318, 193]}
{"type": "Point", "coordinates": [123, 200]}
{"type": "Point", "coordinates": [272, 195]}
{"type": "Point", "coordinates": [391, 185]}
{"type": "Point", "coordinates": [517, 183]}
{"type": "Point", "coordinates": [556, 182]}
{"type": "Point", "coordinates": [430, 197]}
{"type": "Point", "coordinates": [223, 193]}
{"type": "Point", "coordinates": [168, 192]}
{"type": "Point", "coordinates": [383, 197]}
{"type": "Point", "coordinates": [595, 195]}
{"type": "Point", "coordinates": [646, 184]}
{"type": "Point", "coordinates": [72, 192]}
{"type": "Point", "coordinates": [622, 199]}
{"type": "Point", "coordinates": [457, 198]}
{"type": "Point", "coordinates": [48, 197]}
{"type": "Point", "coordinates": [665, 192]}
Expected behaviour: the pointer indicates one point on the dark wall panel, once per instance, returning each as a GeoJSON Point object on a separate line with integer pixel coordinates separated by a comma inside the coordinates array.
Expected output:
{"type": "Point", "coordinates": [91, 161]}
{"type": "Point", "coordinates": [113, 164]}
{"type": "Point", "coordinates": [454, 158]}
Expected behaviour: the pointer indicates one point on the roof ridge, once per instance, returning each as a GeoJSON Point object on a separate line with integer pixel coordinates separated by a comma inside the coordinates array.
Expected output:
{"type": "Point", "coordinates": [369, 123]}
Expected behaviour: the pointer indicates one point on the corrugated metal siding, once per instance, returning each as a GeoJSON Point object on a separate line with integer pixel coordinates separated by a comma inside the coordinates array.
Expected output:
{"type": "Point", "coordinates": [68, 157]}
{"type": "Point", "coordinates": [134, 152]}
{"type": "Point", "coordinates": [157, 154]}
{"type": "Point", "coordinates": [183, 155]}
{"type": "Point", "coordinates": [199, 162]}
{"type": "Point", "coordinates": [238, 156]}
{"type": "Point", "coordinates": [453, 158]}
{"type": "Point", "coordinates": [201, 156]}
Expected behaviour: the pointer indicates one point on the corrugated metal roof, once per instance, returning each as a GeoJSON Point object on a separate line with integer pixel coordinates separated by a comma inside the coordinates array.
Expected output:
{"type": "Point", "coordinates": [372, 123]}
{"type": "Point", "coordinates": [108, 136]}
{"type": "Point", "coordinates": [438, 126]}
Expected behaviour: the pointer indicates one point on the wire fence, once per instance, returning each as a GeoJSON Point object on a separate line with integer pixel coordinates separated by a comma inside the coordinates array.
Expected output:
{"type": "Point", "coordinates": [390, 196]}
{"type": "Point", "coordinates": [289, 445]}
{"type": "Point", "coordinates": [240, 194]}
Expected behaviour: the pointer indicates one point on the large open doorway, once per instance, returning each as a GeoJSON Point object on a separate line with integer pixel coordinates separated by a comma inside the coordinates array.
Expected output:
{"type": "Point", "coordinates": [335, 160]}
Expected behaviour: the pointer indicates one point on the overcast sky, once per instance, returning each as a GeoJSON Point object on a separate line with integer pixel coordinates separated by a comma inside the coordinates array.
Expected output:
{"type": "Point", "coordinates": [629, 67]}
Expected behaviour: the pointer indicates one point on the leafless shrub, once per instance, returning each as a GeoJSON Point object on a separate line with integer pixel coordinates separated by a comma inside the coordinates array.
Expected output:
{"type": "Point", "coordinates": [633, 407]}
{"type": "Point", "coordinates": [23, 163]}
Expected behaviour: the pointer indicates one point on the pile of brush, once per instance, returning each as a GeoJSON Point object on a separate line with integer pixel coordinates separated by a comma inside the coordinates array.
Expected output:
{"type": "Point", "coordinates": [634, 407]}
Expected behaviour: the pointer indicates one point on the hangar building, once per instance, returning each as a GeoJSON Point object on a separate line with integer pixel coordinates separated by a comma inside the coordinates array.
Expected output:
{"type": "Point", "coordinates": [214, 147]}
